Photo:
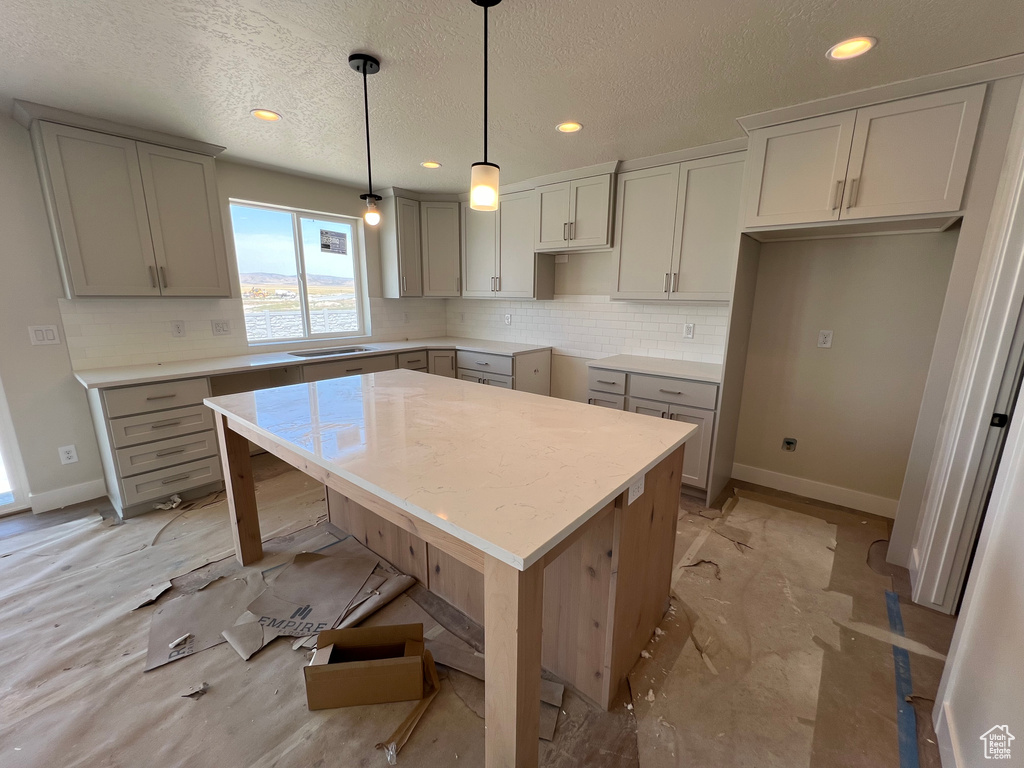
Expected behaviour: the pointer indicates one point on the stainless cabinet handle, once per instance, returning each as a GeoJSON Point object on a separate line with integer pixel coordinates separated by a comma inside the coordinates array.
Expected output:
{"type": "Point", "coordinates": [565, 231]}
{"type": "Point", "coordinates": [572, 230]}
{"type": "Point", "coordinates": [478, 362]}
{"type": "Point", "coordinates": [170, 453]}
{"type": "Point", "coordinates": [667, 278]}
{"type": "Point", "coordinates": [410, 362]}
{"type": "Point", "coordinates": [165, 424]}
{"type": "Point", "coordinates": [498, 282]}
{"type": "Point", "coordinates": [602, 381]}
{"type": "Point", "coordinates": [852, 201]}
{"type": "Point", "coordinates": [152, 277]}
{"type": "Point", "coordinates": [458, 284]}
{"type": "Point", "coordinates": [160, 397]}
{"type": "Point", "coordinates": [404, 288]}
{"type": "Point", "coordinates": [163, 276]}
{"type": "Point", "coordinates": [176, 478]}
{"type": "Point", "coordinates": [492, 284]}
{"type": "Point", "coordinates": [675, 282]}
{"type": "Point", "coordinates": [669, 392]}
{"type": "Point", "coordinates": [839, 195]}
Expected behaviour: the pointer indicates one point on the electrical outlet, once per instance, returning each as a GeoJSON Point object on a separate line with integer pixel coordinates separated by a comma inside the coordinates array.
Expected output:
{"type": "Point", "coordinates": [462, 317]}
{"type": "Point", "coordinates": [508, 319]}
{"type": "Point", "coordinates": [687, 330]}
{"type": "Point", "coordinates": [825, 339]}
{"type": "Point", "coordinates": [68, 454]}
{"type": "Point", "coordinates": [636, 490]}
{"type": "Point", "coordinates": [43, 334]}
{"type": "Point", "coordinates": [221, 327]}
{"type": "Point", "coordinates": [405, 318]}
{"type": "Point", "coordinates": [789, 444]}
{"type": "Point", "coordinates": [178, 329]}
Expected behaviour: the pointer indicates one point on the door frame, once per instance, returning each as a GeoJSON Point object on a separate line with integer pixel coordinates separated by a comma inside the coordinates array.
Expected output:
{"type": "Point", "coordinates": [11, 458]}
{"type": "Point", "coordinates": [949, 521]}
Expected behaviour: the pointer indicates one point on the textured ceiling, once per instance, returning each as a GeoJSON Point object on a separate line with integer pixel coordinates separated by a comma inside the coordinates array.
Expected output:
{"type": "Point", "coordinates": [643, 76]}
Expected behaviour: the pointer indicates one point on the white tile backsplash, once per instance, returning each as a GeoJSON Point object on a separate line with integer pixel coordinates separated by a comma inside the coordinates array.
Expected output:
{"type": "Point", "coordinates": [596, 326]}
{"type": "Point", "coordinates": [111, 332]}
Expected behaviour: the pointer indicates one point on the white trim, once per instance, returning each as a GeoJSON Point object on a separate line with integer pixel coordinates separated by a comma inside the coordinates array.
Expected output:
{"type": "Point", "coordinates": [554, 178]}
{"type": "Point", "coordinates": [812, 489]}
{"type": "Point", "coordinates": [996, 69]}
{"type": "Point", "coordinates": [63, 497]}
{"type": "Point", "coordinates": [945, 736]}
{"type": "Point", "coordinates": [726, 147]}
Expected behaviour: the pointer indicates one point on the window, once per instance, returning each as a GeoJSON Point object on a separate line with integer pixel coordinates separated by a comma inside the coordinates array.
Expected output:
{"type": "Point", "coordinates": [299, 274]}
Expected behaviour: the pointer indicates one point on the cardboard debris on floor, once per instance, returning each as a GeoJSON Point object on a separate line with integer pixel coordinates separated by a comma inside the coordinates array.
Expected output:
{"type": "Point", "coordinates": [394, 743]}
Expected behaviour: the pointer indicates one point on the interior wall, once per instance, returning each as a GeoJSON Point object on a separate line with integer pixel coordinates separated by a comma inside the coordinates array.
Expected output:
{"type": "Point", "coordinates": [982, 181]}
{"type": "Point", "coordinates": [981, 683]}
{"type": "Point", "coordinates": [852, 408]}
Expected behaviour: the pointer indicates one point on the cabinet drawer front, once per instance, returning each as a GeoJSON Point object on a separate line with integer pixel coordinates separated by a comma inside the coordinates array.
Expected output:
{"type": "Point", "coordinates": [647, 408]}
{"type": "Point", "coordinates": [616, 402]}
{"type": "Point", "coordinates": [355, 367]}
{"type": "Point", "coordinates": [164, 482]}
{"type": "Point", "coordinates": [416, 361]}
{"type": "Point", "coordinates": [484, 363]}
{"type": "Point", "coordinates": [678, 391]}
{"type": "Point", "coordinates": [166, 453]}
{"type": "Point", "coordinates": [155, 397]}
{"type": "Point", "coordinates": [606, 381]}
{"type": "Point", "coordinates": [148, 427]}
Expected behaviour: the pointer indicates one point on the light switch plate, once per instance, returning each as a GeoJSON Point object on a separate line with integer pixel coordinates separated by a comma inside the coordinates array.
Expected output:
{"type": "Point", "coordinates": [221, 327]}
{"type": "Point", "coordinates": [43, 334]}
{"type": "Point", "coordinates": [825, 339]}
{"type": "Point", "coordinates": [178, 329]}
{"type": "Point", "coordinates": [636, 490]}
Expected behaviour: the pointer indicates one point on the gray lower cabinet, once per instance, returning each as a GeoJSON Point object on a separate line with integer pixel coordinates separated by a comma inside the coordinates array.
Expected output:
{"type": "Point", "coordinates": [352, 367]}
{"type": "Point", "coordinates": [693, 402]}
{"type": "Point", "coordinates": [529, 372]}
{"type": "Point", "coordinates": [441, 362]}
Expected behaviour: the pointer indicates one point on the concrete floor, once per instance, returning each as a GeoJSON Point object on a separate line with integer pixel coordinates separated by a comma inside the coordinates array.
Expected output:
{"type": "Point", "coordinates": [778, 650]}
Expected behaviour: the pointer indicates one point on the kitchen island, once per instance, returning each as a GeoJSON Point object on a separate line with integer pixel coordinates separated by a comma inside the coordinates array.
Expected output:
{"type": "Point", "coordinates": [567, 511]}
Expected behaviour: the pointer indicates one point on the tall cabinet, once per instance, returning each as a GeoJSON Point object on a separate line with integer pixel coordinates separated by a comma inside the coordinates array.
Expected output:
{"type": "Point", "coordinates": [131, 218]}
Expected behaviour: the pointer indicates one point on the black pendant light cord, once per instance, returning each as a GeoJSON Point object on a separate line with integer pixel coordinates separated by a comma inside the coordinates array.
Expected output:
{"type": "Point", "coordinates": [485, 83]}
{"type": "Point", "coordinates": [366, 112]}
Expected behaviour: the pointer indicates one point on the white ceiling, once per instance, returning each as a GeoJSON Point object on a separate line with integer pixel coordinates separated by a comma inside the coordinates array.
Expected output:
{"type": "Point", "coordinates": [643, 76]}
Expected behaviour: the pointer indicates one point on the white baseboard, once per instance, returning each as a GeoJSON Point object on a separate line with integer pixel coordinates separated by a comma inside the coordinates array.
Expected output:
{"type": "Point", "coordinates": [63, 497]}
{"type": "Point", "coordinates": [812, 489]}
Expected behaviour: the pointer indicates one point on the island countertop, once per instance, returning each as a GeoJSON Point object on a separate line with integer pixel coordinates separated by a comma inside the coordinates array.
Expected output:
{"type": "Point", "coordinates": [510, 473]}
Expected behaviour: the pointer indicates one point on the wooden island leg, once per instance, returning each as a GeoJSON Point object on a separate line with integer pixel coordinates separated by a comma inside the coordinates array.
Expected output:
{"type": "Point", "coordinates": [513, 615]}
{"type": "Point", "coordinates": [241, 493]}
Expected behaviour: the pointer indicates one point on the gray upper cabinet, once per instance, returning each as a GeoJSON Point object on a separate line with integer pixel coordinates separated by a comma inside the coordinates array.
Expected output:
{"type": "Point", "coordinates": [400, 248]}
{"type": "Point", "coordinates": [678, 230]}
{"type": "Point", "coordinates": [439, 243]}
{"type": "Point", "coordinates": [901, 158]}
{"type": "Point", "coordinates": [98, 212]}
{"type": "Point", "coordinates": [575, 215]}
{"type": "Point", "coordinates": [516, 257]}
{"type": "Point", "coordinates": [479, 252]}
{"type": "Point", "coordinates": [131, 219]}
{"type": "Point", "coordinates": [185, 221]}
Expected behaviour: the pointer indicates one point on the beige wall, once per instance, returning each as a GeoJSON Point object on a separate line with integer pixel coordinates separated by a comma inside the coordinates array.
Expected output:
{"type": "Point", "coordinates": [587, 274]}
{"type": "Point", "coordinates": [852, 408]}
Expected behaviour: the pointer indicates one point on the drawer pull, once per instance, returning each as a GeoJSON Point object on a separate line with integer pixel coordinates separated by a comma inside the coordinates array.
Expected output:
{"type": "Point", "coordinates": [176, 478]}
{"type": "Point", "coordinates": [605, 381]}
{"type": "Point", "coordinates": [352, 370]}
{"type": "Point", "coordinates": [669, 392]}
{"type": "Point", "coordinates": [165, 424]}
{"type": "Point", "coordinates": [410, 362]}
{"type": "Point", "coordinates": [170, 453]}
{"type": "Point", "coordinates": [161, 397]}
{"type": "Point", "coordinates": [481, 362]}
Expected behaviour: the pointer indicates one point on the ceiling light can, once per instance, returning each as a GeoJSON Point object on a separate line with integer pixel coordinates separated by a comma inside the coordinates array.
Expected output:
{"type": "Point", "coordinates": [851, 48]}
{"type": "Point", "coordinates": [569, 127]}
{"type": "Point", "coordinates": [266, 115]}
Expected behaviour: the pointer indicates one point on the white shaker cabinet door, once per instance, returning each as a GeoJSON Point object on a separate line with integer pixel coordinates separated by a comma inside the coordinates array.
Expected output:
{"type": "Point", "coordinates": [645, 226]}
{"type": "Point", "coordinates": [912, 156]}
{"type": "Point", "coordinates": [590, 211]}
{"type": "Point", "coordinates": [697, 454]}
{"type": "Point", "coordinates": [439, 241]}
{"type": "Point", "coordinates": [553, 216]}
{"type": "Point", "coordinates": [516, 257]}
{"type": "Point", "coordinates": [479, 252]}
{"type": "Point", "coordinates": [97, 193]}
{"type": "Point", "coordinates": [796, 171]}
{"type": "Point", "coordinates": [185, 221]}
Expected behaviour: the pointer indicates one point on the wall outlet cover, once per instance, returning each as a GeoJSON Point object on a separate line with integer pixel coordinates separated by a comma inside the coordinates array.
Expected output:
{"type": "Point", "coordinates": [636, 490]}
{"type": "Point", "coordinates": [68, 454]}
{"type": "Point", "coordinates": [687, 330]}
{"type": "Point", "coordinates": [508, 319]}
{"type": "Point", "coordinates": [178, 329]}
{"type": "Point", "coordinates": [825, 339]}
{"type": "Point", "coordinates": [43, 334]}
{"type": "Point", "coordinates": [221, 327]}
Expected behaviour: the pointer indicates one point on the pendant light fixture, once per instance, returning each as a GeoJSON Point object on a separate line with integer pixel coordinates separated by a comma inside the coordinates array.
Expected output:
{"type": "Point", "coordinates": [365, 64]}
{"type": "Point", "coordinates": [483, 183]}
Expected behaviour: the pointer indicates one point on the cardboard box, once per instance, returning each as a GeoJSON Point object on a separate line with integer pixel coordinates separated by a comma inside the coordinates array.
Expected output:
{"type": "Point", "coordinates": [366, 665]}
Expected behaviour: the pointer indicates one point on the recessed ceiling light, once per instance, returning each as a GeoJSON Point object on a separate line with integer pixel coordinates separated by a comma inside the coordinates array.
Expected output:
{"type": "Point", "coordinates": [430, 164]}
{"type": "Point", "coordinates": [267, 115]}
{"type": "Point", "coordinates": [569, 127]}
{"type": "Point", "coordinates": [852, 48]}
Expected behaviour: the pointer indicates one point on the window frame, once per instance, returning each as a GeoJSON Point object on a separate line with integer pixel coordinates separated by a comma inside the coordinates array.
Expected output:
{"type": "Point", "coordinates": [361, 292]}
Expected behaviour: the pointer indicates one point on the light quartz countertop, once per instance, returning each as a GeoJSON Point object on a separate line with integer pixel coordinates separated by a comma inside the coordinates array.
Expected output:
{"type": "Point", "coordinates": [101, 378]}
{"type": "Point", "coordinates": [510, 473]}
{"type": "Point", "coordinates": [657, 366]}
